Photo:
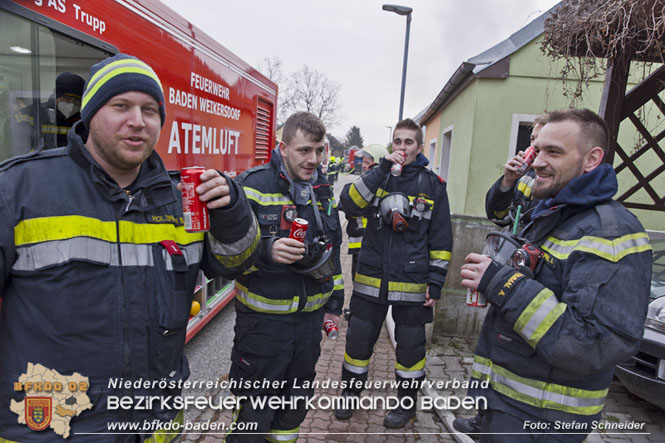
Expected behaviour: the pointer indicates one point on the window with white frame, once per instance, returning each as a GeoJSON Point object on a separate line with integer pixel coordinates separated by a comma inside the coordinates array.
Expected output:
{"type": "Point", "coordinates": [520, 133]}
{"type": "Point", "coordinates": [446, 145]}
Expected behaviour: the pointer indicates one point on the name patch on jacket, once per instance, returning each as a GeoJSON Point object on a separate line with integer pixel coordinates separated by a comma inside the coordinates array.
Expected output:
{"type": "Point", "coordinates": [168, 218]}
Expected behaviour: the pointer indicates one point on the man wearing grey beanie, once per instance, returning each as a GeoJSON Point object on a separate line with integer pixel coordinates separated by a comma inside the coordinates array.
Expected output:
{"type": "Point", "coordinates": [97, 272]}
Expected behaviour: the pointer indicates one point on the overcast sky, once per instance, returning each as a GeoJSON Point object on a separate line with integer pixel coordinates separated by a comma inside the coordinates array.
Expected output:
{"type": "Point", "coordinates": [360, 46]}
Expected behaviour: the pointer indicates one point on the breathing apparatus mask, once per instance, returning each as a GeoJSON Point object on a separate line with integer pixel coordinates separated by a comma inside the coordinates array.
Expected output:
{"type": "Point", "coordinates": [395, 211]}
{"type": "Point", "coordinates": [508, 249]}
{"type": "Point", "coordinates": [318, 261]}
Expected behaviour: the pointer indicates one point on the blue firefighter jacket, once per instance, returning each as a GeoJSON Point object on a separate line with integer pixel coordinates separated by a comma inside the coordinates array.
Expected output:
{"type": "Point", "coordinates": [98, 281]}
{"type": "Point", "coordinates": [274, 288]}
{"type": "Point", "coordinates": [398, 267]}
{"type": "Point", "coordinates": [549, 344]}
{"type": "Point", "coordinates": [498, 203]}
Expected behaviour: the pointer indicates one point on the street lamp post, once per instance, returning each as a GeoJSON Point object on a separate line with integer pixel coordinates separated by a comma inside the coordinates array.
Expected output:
{"type": "Point", "coordinates": [402, 10]}
{"type": "Point", "coordinates": [390, 134]}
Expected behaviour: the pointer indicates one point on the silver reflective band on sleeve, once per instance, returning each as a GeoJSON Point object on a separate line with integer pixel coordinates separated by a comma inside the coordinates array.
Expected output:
{"type": "Point", "coordinates": [443, 264]}
{"type": "Point", "coordinates": [539, 316]}
{"type": "Point", "coordinates": [363, 190]}
{"type": "Point", "coordinates": [235, 248]}
{"type": "Point", "coordinates": [317, 301]}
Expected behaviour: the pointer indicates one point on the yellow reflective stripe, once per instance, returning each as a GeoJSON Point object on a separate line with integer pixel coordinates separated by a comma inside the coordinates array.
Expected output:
{"type": "Point", "coordinates": [234, 419]}
{"type": "Point", "coordinates": [539, 316]}
{"type": "Point", "coordinates": [355, 245]}
{"type": "Point", "coordinates": [538, 393]}
{"type": "Point", "coordinates": [167, 436]}
{"type": "Point", "coordinates": [355, 362]}
{"type": "Point", "coordinates": [283, 436]}
{"type": "Point", "coordinates": [397, 286]}
{"type": "Point", "coordinates": [369, 281]}
{"type": "Point", "coordinates": [316, 301]}
{"type": "Point", "coordinates": [233, 261]}
{"type": "Point", "coordinates": [131, 232]}
{"type": "Point", "coordinates": [500, 214]}
{"type": "Point", "coordinates": [356, 197]}
{"type": "Point", "coordinates": [263, 304]}
{"type": "Point", "coordinates": [250, 270]}
{"type": "Point", "coordinates": [43, 229]}
{"type": "Point", "coordinates": [524, 189]}
{"type": "Point", "coordinates": [439, 255]}
{"type": "Point", "coordinates": [54, 129]}
{"type": "Point", "coordinates": [417, 367]}
{"type": "Point", "coordinates": [364, 220]}
{"type": "Point", "coordinates": [612, 250]}
{"type": "Point", "coordinates": [118, 67]}
{"type": "Point", "coordinates": [266, 199]}
{"type": "Point", "coordinates": [37, 230]}
{"type": "Point", "coordinates": [338, 281]}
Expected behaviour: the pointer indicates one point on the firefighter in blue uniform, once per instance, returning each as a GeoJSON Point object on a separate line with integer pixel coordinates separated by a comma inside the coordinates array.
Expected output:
{"type": "Point", "coordinates": [54, 117]}
{"type": "Point", "coordinates": [293, 288]}
{"type": "Point", "coordinates": [552, 337]}
{"type": "Point", "coordinates": [355, 226]}
{"type": "Point", "coordinates": [402, 263]}
{"type": "Point", "coordinates": [510, 192]}
{"type": "Point", "coordinates": [98, 272]}
{"type": "Point", "coordinates": [512, 189]}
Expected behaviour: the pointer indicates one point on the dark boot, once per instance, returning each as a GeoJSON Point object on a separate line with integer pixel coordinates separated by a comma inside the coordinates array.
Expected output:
{"type": "Point", "coordinates": [345, 413]}
{"type": "Point", "coordinates": [468, 425]}
{"type": "Point", "coordinates": [399, 417]}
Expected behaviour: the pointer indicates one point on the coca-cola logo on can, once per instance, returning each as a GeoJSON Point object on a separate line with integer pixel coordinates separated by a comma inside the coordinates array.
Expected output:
{"type": "Point", "coordinates": [299, 229]}
{"type": "Point", "coordinates": [299, 234]}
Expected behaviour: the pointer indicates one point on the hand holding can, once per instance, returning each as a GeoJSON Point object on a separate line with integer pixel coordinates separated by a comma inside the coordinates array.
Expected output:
{"type": "Point", "coordinates": [331, 329]}
{"type": "Point", "coordinates": [299, 229]}
{"type": "Point", "coordinates": [529, 157]}
{"type": "Point", "coordinates": [396, 168]}
{"type": "Point", "coordinates": [472, 272]}
{"type": "Point", "coordinates": [195, 212]}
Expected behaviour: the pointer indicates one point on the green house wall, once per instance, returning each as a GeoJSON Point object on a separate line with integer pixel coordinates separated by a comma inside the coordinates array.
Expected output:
{"type": "Point", "coordinates": [481, 117]}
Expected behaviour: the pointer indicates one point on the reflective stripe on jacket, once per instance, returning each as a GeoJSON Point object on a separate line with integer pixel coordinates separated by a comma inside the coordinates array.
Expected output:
{"type": "Point", "coordinates": [398, 267]}
{"type": "Point", "coordinates": [99, 281]}
{"type": "Point", "coordinates": [274, 288]}
{"type": "Point", "coordinates": [498, 202]}
{"type": "Point", "coordinates": [549, 345]}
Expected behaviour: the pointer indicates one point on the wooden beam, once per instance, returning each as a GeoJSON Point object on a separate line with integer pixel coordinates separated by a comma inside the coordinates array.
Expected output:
{"type": "Point", "coordinates": [611, 101]}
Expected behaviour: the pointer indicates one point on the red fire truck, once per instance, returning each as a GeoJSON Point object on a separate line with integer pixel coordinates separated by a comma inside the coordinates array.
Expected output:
{"type": "Point", "coordinates": [220, 112]}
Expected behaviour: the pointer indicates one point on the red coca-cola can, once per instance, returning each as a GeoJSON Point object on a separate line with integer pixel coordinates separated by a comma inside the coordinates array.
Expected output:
{"type": "Point", "coordinates": [299, 229]}
{"type": "Point", "coordinates": [396, 168]}
{"type": "Point", "coordinates": [331, 329]}
{"type": "Point", "coordinates": [197, 218]}
{"type": "Point", "coordinates": [475, 298]}
{"type": "Point", "coordinates": [529, 157]}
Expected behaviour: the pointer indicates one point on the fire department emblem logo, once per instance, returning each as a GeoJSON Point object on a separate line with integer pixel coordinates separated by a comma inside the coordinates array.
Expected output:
{"type": "Point", "coordinates": [290, 214]}
{"type": "Point", "coordinates": [38, 412]}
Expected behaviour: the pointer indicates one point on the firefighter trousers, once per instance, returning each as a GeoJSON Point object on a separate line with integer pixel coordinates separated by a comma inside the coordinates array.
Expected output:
{"type": "Point", "coordinates": [365, 322]}
{"type": "Point", "coordinates": [273, 356]}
